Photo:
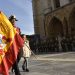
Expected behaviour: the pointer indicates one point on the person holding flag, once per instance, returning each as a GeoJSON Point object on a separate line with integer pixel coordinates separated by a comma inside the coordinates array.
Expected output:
{"type": "Point", "coordinates": [11, 42]}
{"type": "Point", "coordinates": [15, 67]}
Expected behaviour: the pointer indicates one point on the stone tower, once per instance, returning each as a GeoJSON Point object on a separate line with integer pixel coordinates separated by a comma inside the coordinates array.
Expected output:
{"type": "Point", "coordinates": [39, 7]}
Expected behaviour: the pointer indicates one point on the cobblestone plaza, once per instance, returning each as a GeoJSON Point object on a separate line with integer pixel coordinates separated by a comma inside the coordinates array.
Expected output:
{"type": "Point", "coordinates": [51, 64]}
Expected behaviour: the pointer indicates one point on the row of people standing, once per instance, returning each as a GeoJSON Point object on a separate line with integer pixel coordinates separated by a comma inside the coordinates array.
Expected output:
{"type": "Point", "coordinates": [53, 45]}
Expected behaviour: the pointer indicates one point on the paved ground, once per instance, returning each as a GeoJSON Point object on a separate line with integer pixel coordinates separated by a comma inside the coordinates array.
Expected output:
{"type": "Point", "coordinates": [51, 64]}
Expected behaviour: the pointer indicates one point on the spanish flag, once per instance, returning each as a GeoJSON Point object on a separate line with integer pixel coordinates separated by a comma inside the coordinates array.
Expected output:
{"type": "Point", "coordinates": [10, 43]}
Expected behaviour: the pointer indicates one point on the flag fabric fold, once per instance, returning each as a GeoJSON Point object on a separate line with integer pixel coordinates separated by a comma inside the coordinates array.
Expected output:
{"type": "Point", "coordinates": [10, 43]}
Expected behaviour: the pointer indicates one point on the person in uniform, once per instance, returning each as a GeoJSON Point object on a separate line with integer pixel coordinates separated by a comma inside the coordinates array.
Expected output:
{"type": "Point", "coordinates": [15, 66]}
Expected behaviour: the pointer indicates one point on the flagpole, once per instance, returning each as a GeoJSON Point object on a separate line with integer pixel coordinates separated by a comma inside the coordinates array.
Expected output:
{"type": "Point", "coordinates": [31, 51]}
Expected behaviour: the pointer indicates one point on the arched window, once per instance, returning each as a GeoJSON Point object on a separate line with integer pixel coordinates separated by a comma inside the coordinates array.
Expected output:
{"type": "Point", "coordinates": [57, 3]}
{"type": "Point", "coordinates": [71, 0]}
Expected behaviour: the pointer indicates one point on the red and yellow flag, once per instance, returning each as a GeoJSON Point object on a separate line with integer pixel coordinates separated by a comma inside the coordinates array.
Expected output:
{"type": "Point", "coordinates": [10, 43]}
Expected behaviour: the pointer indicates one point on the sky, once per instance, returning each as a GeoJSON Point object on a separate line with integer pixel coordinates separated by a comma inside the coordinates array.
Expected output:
{"type": "Point", "coordinates": [22, 9]}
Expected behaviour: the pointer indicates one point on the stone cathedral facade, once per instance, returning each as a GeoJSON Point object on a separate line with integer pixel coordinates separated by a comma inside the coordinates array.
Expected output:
{"type": "Point", "coordinates": [53, 18]}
